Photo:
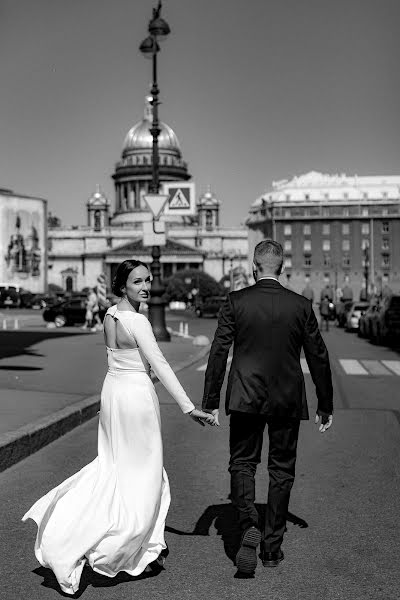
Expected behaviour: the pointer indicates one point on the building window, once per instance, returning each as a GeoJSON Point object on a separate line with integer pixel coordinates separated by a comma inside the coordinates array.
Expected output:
{"type": "Point", "coordinates": [345, 245]}
{"type": "Point", "coordinates": [346, 212]}
{"type": "Point", "coordinates": [364, 212]}
{"type": "Point", "coordinates": [385, 227]}
{"type": "Point", "coordinates": [345, 228]}
{"type": "Point", "coordinates": [386, 261]}
{"type": "Point", "coordinates": [327, 260]}
{"type": "Point", "coordinates": [307, 246]}
{"type": "Point", "coordinates": [209, 219]}
{"type": "Point", "coordinates": [287, 230]}
{"type": "Point", "coordinates": [288, 262]}
{"type": "Point", "coordinates": [326, 245]}
{"type": "Point", "coordinates": [364, 243]}
{"type": "Point", "coordinates": [287, 213]}
{"type": "Point", "coordinates": [365, 228]}
{"type": "Point", "coordinates": [326, 229]}
{"type": "Point", "coordinates": [288, 245]}
{"type": "Point", "coordinates": [346, 261]}
{"type": "Point", "coordinates": [385, 244]}
{"type": "Point", "coordinates": [307, 229]}
{"type": "Point", "coordinates": [307, 261]}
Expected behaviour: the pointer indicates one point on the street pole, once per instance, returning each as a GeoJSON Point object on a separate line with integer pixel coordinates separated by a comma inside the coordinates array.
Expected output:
{"type": "Point", "coordinates": [158, 28]}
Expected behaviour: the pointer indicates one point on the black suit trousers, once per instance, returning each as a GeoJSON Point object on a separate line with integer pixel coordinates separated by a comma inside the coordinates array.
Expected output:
{"type": "Point", "coordinates": [246, 441]}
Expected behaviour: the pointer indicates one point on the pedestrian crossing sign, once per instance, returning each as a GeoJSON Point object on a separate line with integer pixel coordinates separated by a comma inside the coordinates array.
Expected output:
{"type": "Point", "coordinates": [181, 198]}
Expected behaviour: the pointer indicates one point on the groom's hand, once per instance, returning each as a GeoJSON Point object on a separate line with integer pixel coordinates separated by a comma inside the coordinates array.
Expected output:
{"type": "Point", "coordinates": [326, 420]}
{"type": "Point", "coordinates": [215, 414]}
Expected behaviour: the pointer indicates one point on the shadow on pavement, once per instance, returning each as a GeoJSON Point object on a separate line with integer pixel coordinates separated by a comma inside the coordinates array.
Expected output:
{"type": "Point", "coordinates": [91, 578]}
{"type": "Point", "coordinates": [224, 519]}
{"type": "Point", "coordinates": [20, 368]}
{"type": "Point", "coordinates": [17, 343]}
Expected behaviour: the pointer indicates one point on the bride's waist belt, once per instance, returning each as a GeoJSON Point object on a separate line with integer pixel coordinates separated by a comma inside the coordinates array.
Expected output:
{"type": "Point", "coordinates": [138, 369]}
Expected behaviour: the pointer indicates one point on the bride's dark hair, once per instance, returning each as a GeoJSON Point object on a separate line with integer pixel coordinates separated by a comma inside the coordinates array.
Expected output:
{"type": "Point", "coordinates": [122, 275]}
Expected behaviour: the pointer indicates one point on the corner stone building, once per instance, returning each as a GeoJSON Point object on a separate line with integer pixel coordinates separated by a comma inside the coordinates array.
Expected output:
{"type": "Point", "coordinates": [335, 230]}
{"type": "Point", "coordinates": [78, 254]}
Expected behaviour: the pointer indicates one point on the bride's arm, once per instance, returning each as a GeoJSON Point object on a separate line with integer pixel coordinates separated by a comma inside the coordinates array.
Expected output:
{"type": "Point", "coordinates": [146, 341]}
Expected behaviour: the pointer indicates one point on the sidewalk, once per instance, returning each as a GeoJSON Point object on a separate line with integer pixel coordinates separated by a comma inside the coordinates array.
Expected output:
{"type": "Point", "coordinates": [32, 418]}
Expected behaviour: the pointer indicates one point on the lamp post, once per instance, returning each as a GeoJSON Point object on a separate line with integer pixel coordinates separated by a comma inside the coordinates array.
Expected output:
{"type": "Point", "coordinates": [366, 267]}
{"type": "Point", "coordinates": [158, 29]}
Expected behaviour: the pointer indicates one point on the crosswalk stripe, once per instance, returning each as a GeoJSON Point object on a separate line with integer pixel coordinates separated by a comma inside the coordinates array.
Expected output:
{"type": "Point", "coordinates": [375, 367]}
{"type": "Point", "coordinates": [352, 366]}
{"type": "Point", "coordinates": [393, 365]}
{"type": "Point", "coordinates": [304, 366]}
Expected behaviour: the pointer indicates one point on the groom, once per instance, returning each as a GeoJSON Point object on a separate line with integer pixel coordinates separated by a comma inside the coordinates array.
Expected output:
{"type": "Point", "coordinates": [268, 325]}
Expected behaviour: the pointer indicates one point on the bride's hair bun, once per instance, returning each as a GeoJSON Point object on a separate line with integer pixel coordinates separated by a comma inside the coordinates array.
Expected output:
{"type": "Point", "coordinates": [122, 275]}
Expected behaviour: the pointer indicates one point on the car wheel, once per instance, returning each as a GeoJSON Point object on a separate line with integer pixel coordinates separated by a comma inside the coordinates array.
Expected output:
{"type": "Point", "coordinates": [60, 321]}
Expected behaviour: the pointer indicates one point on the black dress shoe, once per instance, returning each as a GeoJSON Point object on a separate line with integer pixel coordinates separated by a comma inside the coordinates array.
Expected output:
{"type": "Point", "coordinates": [272, 559]}
{"type": "Point", "coordinates": [246, 558]}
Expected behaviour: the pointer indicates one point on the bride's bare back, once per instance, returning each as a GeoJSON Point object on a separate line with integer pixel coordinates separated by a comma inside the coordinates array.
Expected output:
{"type": "Point", "coordinates": [115, 334]}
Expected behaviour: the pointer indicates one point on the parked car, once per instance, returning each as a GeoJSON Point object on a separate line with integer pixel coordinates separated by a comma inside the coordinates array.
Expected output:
{"type": "Point", "coordinates": [208, 307]}
{"type": "Point", "coordinates": [69, 312]}
{"type": "Point", "coordinates": [9, 296]}
{"type": "Point", "coordinates": [385, 324]}
{"type": "Point", "coordinates": [353, 315]}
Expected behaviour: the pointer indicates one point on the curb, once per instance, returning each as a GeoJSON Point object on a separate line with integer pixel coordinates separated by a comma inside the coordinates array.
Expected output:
{"type": "Point", "coordinates": [19, 444]}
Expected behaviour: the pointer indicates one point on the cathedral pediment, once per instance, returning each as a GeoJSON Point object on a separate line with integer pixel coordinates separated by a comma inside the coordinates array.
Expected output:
{"type": "Point", "coordinates": [172, 247]}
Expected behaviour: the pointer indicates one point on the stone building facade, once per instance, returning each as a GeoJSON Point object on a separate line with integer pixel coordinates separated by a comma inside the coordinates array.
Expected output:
{"type": "Point", "coordinates": [78, 254]}
{"type": "Point", "coordinates": [335, 230]}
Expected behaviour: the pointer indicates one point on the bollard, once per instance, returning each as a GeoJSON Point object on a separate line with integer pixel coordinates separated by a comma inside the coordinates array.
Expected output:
{"type": "Point", "coordinates": [16, 325]}
{"type": "Point", "coordinates": [4, 323]}
{"type": "Point", "coordinates": [186, 330]}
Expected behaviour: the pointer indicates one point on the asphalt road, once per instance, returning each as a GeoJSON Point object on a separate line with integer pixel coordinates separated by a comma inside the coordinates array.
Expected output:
{"type": "Point", "coordinates": [343, 531]}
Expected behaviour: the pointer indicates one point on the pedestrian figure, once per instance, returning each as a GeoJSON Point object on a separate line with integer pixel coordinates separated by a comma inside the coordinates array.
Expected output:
{"type": "Point", "coordinates": [268, 325]}
{"type": "Point", "coordinates": [111, 514]}
{"type": "Point", "coordinates": [88, 312]}
{"type": "Point", "coordinates": [324, 310]}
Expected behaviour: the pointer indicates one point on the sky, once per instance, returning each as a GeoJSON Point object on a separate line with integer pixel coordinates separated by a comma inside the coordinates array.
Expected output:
{"type": "Point", "coordinates": [256, 91]}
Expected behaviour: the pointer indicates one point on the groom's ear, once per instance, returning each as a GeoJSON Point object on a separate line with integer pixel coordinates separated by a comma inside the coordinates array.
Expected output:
{"type": "Point", "coordinates": [254, 267]}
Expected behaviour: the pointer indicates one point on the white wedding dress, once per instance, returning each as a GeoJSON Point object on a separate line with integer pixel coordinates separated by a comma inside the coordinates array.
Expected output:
{"type": "Point", "coordinates": [112, 512]}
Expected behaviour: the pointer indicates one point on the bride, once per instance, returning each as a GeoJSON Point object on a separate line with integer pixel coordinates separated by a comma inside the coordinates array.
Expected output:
{"type": "Point", "coordinates": [111, 514]}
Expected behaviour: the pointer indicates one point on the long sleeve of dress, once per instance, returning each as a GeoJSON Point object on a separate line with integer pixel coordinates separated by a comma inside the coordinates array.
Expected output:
{"type": "Point", "coordinates": [143, 334]}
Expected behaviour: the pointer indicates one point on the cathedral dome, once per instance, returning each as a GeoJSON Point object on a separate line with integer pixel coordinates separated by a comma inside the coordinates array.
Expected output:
{"type": "Point", "coordinates": [139, 138]}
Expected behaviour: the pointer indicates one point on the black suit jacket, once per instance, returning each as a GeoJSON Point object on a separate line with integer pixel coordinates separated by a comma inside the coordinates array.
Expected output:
{"type": "Point", "coordinates": [268, 325]}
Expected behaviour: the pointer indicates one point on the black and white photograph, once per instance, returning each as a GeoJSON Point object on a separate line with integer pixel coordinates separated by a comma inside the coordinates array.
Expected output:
{"type": "Point", "coordinates": [200, 299]}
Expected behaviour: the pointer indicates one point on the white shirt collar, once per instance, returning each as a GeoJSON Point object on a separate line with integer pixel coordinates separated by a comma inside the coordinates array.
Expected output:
{"type": "Point", "coordinates": [268, 277]}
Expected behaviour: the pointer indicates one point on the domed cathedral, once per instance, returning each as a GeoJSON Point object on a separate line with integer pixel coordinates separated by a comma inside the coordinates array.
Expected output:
{"type": "Point", "coordinates": [133, 173]}
{"type": "Point", "coordinates": [79, 253]}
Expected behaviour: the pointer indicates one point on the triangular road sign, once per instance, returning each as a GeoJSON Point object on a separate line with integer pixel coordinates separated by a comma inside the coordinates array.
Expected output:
{"type": "Point", "coordinates": [179, 200]}
{"type": "Point", "coordinates": [156, 203]}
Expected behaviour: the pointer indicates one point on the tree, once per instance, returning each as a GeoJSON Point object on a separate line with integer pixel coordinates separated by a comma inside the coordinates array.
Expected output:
{"type": "Point", "coordinates": [180, 286]}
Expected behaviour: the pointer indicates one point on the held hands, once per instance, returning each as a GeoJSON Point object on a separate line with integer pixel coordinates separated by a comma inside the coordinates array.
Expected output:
{"type": "Point", "coordinates": [326, 420]}
{"type": "Point", "coordinates": [202, 417]}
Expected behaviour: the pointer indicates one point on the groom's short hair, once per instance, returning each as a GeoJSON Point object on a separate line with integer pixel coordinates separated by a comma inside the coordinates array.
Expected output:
{"type": "Point", "coordinates": [268, 256]}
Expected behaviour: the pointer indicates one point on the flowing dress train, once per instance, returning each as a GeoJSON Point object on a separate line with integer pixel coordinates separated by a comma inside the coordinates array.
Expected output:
{"type": "Point", "coordinates": [111, 514]}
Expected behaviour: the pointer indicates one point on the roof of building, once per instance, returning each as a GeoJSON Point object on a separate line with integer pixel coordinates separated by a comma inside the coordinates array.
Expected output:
{"type": "Point", "coordinates": [314, 186]}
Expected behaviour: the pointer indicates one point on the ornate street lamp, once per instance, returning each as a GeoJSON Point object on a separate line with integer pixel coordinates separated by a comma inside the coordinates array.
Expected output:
{"type": "Point", "coordinates": [158, 29]}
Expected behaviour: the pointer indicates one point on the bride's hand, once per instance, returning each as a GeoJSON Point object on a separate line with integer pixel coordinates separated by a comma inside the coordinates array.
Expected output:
{"type": "Point", "coordinates": [202, 417]}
